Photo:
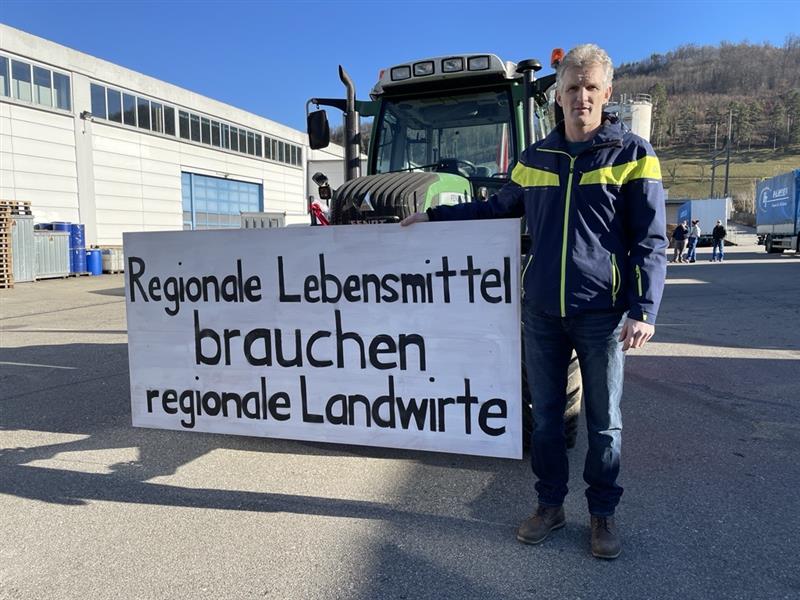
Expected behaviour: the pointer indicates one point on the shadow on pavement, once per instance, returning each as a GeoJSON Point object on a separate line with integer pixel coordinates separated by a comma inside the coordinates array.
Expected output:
{"type": "Point", "coordinates": [119, 291]}
{"type": "Point", "coordinates": [91, 398]}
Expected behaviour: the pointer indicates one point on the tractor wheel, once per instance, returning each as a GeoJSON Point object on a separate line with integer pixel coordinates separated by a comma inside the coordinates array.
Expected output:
{"type": "Point", "coordinates": [571, 412]}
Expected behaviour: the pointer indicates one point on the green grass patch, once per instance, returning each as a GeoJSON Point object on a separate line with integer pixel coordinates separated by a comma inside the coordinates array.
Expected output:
{"type": "Point", "coordinates": [686, 172]}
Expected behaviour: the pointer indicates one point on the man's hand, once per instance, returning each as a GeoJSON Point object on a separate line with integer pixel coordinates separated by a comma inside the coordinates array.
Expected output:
{"type": "Point", "coordinates": [419, 217]}
{"type": "Point", "coordinates": [635, 334]}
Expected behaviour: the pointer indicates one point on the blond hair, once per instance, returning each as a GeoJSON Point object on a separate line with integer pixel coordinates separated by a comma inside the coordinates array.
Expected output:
{"type": "Point", "coordinates": [583, 56]}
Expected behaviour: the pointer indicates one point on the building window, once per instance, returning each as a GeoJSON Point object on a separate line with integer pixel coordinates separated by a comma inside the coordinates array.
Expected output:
{"type": "Point", "coordinates": [98, 101]}
{"type": "Point", "coordinates": [53, 89]}
{"type": "Point", "coordinates": [42, 87]}
{"type": "Point", "coordinates": [183, 118]}
{"type": "Point", "coordinates": [225, 136]}
{"type": "Point", "coordinates": [234, 139]}
{"type": "Point", "coordinates": [32, 83]}
{"type": "Point", "coordinates": [4, 76]}
{"type": "Point", "coordinates": [143, 112]}
{"type": "Point", "coordinates": [129, 109]}
{"type": "Point", "coordinates": [186, 195]}
{"type": "Point", "coordinates": [169, 120]}
{"type": "Point", "coordinates": [194, 123]}
{"type": "Point", "coordinates": [157, 117]}
{"type": "Point", "coordinates": [21, 80]}
{"type": "Point", "coordinates": [206, 130]}
{"type": "Point", "coordinates": [251, 142]}
{"type": "Point", "coordinates": [61, 89]}
{"type": "Point", "coordinates": [114, 105]}
{"type": "Point", "coordinates": [215, 203]}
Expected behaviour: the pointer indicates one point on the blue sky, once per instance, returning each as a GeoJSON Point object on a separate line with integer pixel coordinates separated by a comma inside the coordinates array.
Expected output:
{"type": "Point", "coordinates": [269, 57]}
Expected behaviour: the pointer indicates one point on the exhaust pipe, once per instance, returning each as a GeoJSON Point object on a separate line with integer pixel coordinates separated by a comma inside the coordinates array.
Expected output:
{"type": "Point", "coordinates": [352, 130]}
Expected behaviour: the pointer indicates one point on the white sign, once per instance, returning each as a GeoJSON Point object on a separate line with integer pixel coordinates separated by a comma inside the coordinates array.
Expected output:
{"type": "Point", "coordinates": [403, 337]}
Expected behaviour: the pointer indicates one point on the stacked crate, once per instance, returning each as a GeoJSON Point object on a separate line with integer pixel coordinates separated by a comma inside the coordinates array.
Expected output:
{"type": "Point", "coordinates": [9, 210]}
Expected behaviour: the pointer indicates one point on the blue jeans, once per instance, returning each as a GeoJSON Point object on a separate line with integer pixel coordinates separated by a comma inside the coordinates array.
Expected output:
{"type": "Point", "coordinates": [691, 251]}
{"type": "Point", "coordinates": [549, 342]}
{"type": "Point", "coordinates": [721, 245]}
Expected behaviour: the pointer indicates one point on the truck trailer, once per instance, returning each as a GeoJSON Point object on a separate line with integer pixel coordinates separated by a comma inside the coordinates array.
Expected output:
{"type": "Point", "coordinates": [708, 211]}
{"type": "Point", "coordinates": [778, 212]}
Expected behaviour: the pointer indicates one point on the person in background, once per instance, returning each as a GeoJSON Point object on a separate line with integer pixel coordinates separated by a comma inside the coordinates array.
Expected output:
{"type": "Point", "coordinates": [718, 234]}
{"type": "Point", "coordinates": [592, 196]}
{"type": "Point", "coordinates": [694, 237]}
{"type": "Point", "coordinates": [679, 241]}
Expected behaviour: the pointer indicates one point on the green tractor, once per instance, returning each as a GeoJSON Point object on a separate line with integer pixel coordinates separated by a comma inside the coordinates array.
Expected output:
{"type": "Point", "coordinates": [445, 130]}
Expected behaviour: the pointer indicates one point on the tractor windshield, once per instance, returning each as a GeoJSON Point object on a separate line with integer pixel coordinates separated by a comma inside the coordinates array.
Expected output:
{"type": "Point", "coordinates": [470, 134]}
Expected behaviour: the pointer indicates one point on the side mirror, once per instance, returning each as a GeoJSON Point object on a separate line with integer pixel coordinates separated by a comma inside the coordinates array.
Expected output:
{"type": "Point", "coordinates": [319, 132]}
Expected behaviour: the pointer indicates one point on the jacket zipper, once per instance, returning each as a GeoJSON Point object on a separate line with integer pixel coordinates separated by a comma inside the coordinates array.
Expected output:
{"type": "Point", "coordinates": [525, 270]}
{"type": "Point", "coordinates": [567, 199]}
{"type": "Point", "coordinates": [615, 280]}
{"type": "Point", "coordinates": [639, 280]}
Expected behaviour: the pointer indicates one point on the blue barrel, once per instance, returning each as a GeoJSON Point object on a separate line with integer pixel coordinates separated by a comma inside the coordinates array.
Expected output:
{"type": "Point", "coordinates": [77, 260]}
{"type": "Point", "coordinates": [61, 226]}
{"type": "Point", "coordinates": [94, 262]}
{"type": "Point", "coordinates": [77, 236]}
{"type": "Point", "coordinates": [43, 227]}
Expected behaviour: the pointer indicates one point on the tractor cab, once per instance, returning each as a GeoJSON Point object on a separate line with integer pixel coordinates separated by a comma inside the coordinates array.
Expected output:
{"type": "Point", "coordinates": [458, 123]}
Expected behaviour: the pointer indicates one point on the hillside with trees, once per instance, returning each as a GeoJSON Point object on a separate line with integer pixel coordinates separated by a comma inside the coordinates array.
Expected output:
{"type": "Point", "coordinates": [695, 89]}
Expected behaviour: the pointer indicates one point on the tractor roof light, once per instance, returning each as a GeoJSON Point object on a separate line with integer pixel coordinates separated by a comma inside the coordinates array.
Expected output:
{"type": "Point", "coordinates": [401, 73]}
{"type": "Point", "coordinates": [478, 63]}
{"type": "Point", "coordinates": [421, 69]}
{"type": "Point", "coordinates": [556, 56]}
{"type": "Point", "coordinates": [452, 65]}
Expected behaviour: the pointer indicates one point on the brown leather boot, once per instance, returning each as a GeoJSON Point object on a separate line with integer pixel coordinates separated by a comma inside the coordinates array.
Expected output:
{"type": "Point", "coordinates": [537, 527]}
{"type": "Point", "coordinates": [605, 540]}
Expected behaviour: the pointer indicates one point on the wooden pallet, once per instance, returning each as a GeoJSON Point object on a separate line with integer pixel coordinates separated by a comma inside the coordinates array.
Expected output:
{"type": "Point", "coordinates": [15, 207]}
{"type": "Point", "coordinates": [80, 274]}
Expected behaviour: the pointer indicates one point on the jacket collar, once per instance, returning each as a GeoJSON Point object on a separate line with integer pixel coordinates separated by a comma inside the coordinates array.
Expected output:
{"type": "Point", "coordinates": [610, 133]}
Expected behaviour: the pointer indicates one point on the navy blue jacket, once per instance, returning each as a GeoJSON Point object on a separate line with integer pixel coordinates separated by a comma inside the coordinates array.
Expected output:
{"type": "Point", "coordinates": [596, 221]}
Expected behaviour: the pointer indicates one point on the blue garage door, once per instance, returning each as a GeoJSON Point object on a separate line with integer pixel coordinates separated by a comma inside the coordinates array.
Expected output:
{"type": "Point", "coordinates": [215, 203]}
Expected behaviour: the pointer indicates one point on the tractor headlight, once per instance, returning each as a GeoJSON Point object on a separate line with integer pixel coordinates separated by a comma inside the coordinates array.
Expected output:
{"type": "Point", "coordinates": [478, 63]}
{"type": "Point", "coordinates": [452, 65]}
{"type": "Point", "coordinates": [400, 73]}
{"type": "Point", "coordinates": [423, 68]}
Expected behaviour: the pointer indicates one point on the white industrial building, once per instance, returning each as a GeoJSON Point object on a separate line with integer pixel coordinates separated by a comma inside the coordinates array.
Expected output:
{"type": "Point", "coordinates": [88, 141]}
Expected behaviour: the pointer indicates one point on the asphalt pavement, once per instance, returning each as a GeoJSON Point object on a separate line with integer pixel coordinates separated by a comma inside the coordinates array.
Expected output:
{"type": "Point", "coordinates": [92, 508]}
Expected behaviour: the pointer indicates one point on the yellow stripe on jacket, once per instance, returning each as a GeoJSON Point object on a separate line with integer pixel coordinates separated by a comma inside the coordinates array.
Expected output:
{"type": "Point", "coordinates": [647, 167]}
{"type": "Point", "coordinates": [526, 176]}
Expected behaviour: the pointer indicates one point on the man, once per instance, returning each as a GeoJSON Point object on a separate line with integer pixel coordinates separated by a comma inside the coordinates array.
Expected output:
{"type": "Point", "coordinates": [718, 234]}
{"type": "Point", "coordinates": [592, 196]}
{"type": "Point", "coordinates": [679, 241]}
